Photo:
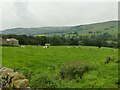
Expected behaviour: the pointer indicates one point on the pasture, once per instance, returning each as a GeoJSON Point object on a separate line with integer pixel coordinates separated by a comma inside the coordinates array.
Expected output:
{"type": "Point", "coordinates": [42, 65]}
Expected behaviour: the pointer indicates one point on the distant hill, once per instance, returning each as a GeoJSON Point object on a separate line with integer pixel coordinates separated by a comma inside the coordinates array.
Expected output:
{"type": "Point", "coordinates": [110, 27]}
{"type": "Point", "coordinates": [36, 31]}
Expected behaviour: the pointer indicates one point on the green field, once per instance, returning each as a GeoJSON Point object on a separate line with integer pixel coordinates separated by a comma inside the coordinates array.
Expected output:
{"type": "Point", "coordinates": [42, 66]}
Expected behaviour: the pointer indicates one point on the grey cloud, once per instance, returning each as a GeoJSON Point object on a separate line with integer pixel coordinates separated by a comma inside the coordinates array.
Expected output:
{"type": "Point", "coordinates": [21, 9]}
{"type": "Point", "coordinates": [31, 14]}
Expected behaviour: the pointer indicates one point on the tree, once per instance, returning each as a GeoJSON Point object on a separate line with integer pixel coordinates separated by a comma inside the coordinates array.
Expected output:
{"type": "Point", "coordinates": [99, 43]}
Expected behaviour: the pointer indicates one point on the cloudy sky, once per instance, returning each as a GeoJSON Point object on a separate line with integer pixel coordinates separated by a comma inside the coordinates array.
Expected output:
{"type": "Point", "coordinates": [39, 14]}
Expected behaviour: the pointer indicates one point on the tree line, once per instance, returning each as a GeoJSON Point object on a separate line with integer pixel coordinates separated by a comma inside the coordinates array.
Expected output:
{"type": "Point", "coordinates": [56, 40]}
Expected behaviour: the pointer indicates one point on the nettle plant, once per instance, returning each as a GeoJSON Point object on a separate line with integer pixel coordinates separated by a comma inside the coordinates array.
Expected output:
{"type": "Point", "coordinates": [71, 70]}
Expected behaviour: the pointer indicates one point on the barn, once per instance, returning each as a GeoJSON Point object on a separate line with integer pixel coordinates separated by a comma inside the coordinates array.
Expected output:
{"type": "Point", "coordinates": [9, 42]}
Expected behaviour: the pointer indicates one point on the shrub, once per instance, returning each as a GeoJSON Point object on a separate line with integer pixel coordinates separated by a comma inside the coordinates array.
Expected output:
{"type": "Point", "coordinates": [72, 70]}
{"type": "Point", "coordinates": [117, 61]}
{"type": "Point", "coordinates": [109, 59]}
{"type": "Point", "coordinates": [43, 81]}
{"type": "Point", "coordinates": [106, 29]}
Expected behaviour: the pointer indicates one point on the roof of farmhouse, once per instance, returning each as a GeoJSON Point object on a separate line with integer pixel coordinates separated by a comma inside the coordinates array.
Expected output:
{"type": "Point", "coordinates": [9, 39]}
{"type": "Point", "coordinates": [12, 39]}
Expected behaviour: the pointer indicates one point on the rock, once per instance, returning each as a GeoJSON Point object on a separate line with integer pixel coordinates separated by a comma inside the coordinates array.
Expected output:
{"type": "Point", "coordinates": [4, 72]}
{"type": "Point", "coordinates": [18, 76]}
{"type": "Point", "coordinates": [21, 83]}
{"type": "Point", "coordinates": [11, 75]}
{"type": "Point", "coordinates": [12, 80]}
{"type": "Point", "coordinates": [3, 83]}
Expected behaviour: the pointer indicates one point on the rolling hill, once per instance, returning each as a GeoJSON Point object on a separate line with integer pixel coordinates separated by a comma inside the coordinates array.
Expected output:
{"type": "Point", "coordinates": [110, 27]}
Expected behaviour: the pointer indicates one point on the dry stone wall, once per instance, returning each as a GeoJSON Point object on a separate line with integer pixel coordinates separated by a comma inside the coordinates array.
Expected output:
{"type": "Point", "coordinates": [9, 80]}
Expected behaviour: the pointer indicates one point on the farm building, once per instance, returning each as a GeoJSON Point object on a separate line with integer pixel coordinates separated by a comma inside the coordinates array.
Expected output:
{"type": "Point", "coordinates": [9, 42]}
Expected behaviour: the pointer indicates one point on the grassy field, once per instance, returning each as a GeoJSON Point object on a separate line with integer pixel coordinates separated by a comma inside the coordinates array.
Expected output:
{"type": "Point", "coordinates": [42, 66]}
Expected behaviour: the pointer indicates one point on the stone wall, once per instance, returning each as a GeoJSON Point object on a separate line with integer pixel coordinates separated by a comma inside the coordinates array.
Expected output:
{"type": "Point", "coordinates": [10, 80]}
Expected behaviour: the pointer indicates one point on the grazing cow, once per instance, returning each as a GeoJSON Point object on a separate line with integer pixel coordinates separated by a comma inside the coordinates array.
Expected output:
{"type": "Point", "coordinates": [22, 46]}
{"type": "Point", "coordinates": [46, 47]}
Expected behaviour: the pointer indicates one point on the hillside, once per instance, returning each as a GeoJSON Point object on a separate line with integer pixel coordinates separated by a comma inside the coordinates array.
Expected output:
{"type": "Point", "coordinates": [110, 27]}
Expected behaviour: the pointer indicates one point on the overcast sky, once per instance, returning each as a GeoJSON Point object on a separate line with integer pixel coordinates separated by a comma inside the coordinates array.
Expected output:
{"type": "Point", "coordinates": [37, 14]}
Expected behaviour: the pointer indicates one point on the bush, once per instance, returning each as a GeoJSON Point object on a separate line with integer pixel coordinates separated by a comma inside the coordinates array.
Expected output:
{"type": "Point", "coordinates": [117, 61]}
{"type": "Point", "coordinates": [43, 81]}
{"type": "Point", "coordinates": [71, 70]}
{"type": "Point", "coordinates": [109, 59]}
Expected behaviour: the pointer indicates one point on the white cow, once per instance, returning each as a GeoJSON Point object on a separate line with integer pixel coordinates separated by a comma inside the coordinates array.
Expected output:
{"type": "Point", "coordinates": [22, 46]}
{"type": "Point", "coordinates": [46, 47]}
